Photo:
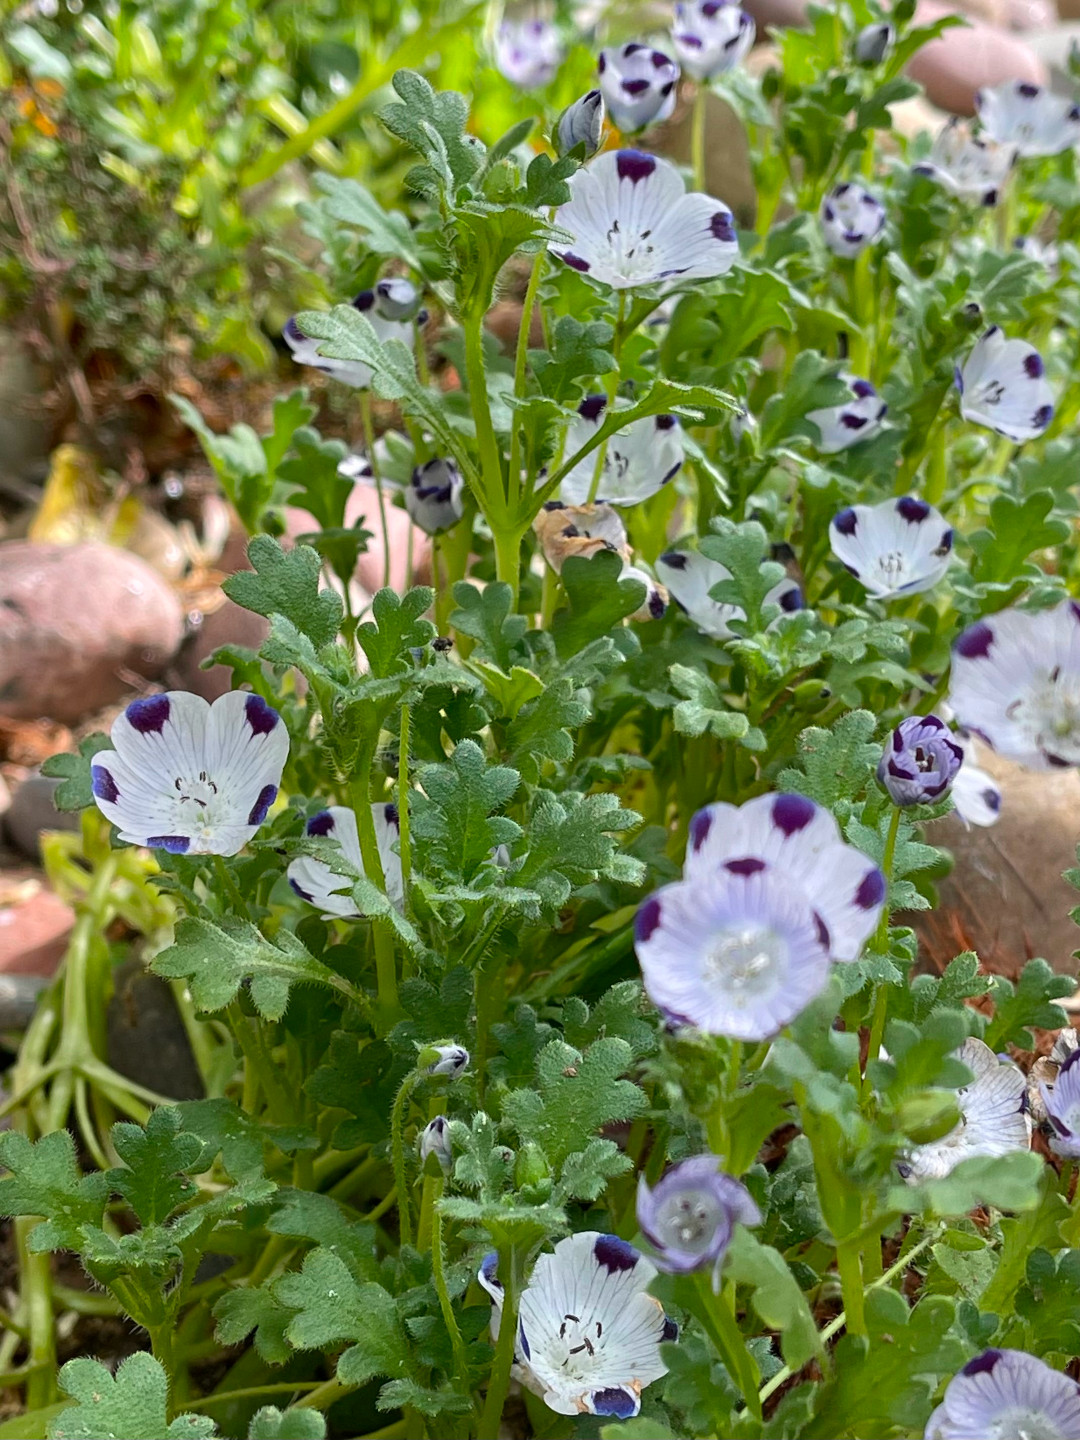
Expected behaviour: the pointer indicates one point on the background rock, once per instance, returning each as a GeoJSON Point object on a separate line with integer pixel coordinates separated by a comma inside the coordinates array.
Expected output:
{"type": "Point", "coordinates": [31, 811]}
{"type": "Point", "coordinates": [230, 624]}
{"type": "Point", "coordinates": [34, 929]}
{"type": "Point", "coordinates": [145, 1035]}
{"type": "Point", "coordinates": [79, 625]}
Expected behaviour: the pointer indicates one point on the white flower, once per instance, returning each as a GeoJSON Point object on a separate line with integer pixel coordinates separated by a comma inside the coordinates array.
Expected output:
{"type": "Point", "coordinates": [897, 547]}
{"type": "Point", "coordinates": [189, 777]}
{"type": "Point", "coordinates": [710, 37]}
{"type": "Point", "coordinates": [638, 461]}
{"type": "Point", "coordinates": [565, 530]}
{"type": "Point", "coordinates": [433, 496]}
{"type": "Point", "coordinates": [638, 85]}
{"type": "Point", "coordinates": [315, 882]}
{"type": "Point", "coordinates": [447, 1059]}
{"type": "Point", "coordinates": [380, 310]}
{"type": "Point", "coordinates": [1044, 252]}
{"type": "Point", "coordinates": [655, 602]}
{"type": "Point", "coordinates": [528, 52]}
{"type": "Point", "coordinates": [398, 299]}
{"type": "Point", "coordinates": [993, 1117]}
{"type": "Point", "coordinates": [1028, 117]}
{"type": "Point", "coordinates": [633, 224]}
{"type": "Point", "coordinates": [589, 1335]}
{"type": "Point", "coordinates": [1016, 684]}
{"type": "Point", "coordinates": [1003, 386]}
{"type": "Point", "coordinates": [435, 1140]}
{"type": "Point", "coordinates": [976, 795]}
{"type": "Point", "coordinates": [857, 419]}
{"type": "Point", "coordinates": [689, 576]}
{"type": "Point", "coordinates": [850, 219]}
{"type": "Point", "coordinates": [356, 466]}
{"type": "Point", "coordinates": [1007, 1395]}
{"type": "Point", "coordinates": [966, 164]}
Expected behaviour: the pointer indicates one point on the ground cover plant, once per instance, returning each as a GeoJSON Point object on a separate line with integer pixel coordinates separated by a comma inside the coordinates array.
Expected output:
{"type": "Point", "coordinates": [542, 933]}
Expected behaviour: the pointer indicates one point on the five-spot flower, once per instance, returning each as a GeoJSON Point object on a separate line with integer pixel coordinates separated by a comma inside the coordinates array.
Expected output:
{"type": "Point", "coordinates": [1003, 386]}
{"type": "Point", "coordinates": [189, 777]}
{"type": "Point", "coordinates": [584, 530]}
{"type": "Point", "coordinates": [314, 880]}
{"type": "Point", "coordinates": [528, 52]}
{"type": "Point", "coordinates": [589, 1334]}
{"type": "Point", "coordinates": [385, 307]}
{"type": "Point", "coordinates": [966, 164]}
{"type": "Point", "coordinates": [633, 224]}
{"type": "Point", "coordinates": [770, 894]}
{"type": "Point", "coordinates": [850, 219]}
{"type": "Point", "coordinates": [897, 547]}
{"type": "Point", "coordinates": [638, 461]}
{"type": "Point", "coordinates": [433, 495]}
{"type": "Point", "coordinates": [689, 1216]}
{"type": "Point", "coordinates": [1062, 1104]}
{"type": "Point", "coordinates": [689, 578]}
{"type": "Point", "coordinates": [976, 795]}
{"type": "Point", "coordinates": [638, 85]}
{"type": "Point", "coordinates": [710, 37]}
{"type": "Point", "coordinates": [435, 1140]}
{"type": "Point", "coordinates": [1015, 683]}
{"type": "Point", "coordinates": [920, 761]}
{"type": "Point", "coordinates": [1007, 1395]}
{"type": "Point", "coordinates": [1030, 118]}
{"type": "Point", "coordinates": [857, 419]}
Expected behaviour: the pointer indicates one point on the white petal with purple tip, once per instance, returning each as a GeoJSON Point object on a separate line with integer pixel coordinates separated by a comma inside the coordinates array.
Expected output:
{"type": "Point", "coordinates": [638, 461]}
{"type": "Point", "coordinates": [315, 882]}
{"type": "Point", "coordinates": [633, 224]}
{"type": "Point", "coordinates": [1003, 386]}
{"type": "Point", "coordinates": [370, 303]}
{"type": "Point", "coordinates": [857, 419]}
{"type": "Point", "coordinates": [1029, 117]}
{"type": "Point", "coordinates": [976, 795]}
{"type": "Point", "coordinates": [897, 547]}
{"type": "Point", "coordinates": [1007, 1395]}
{"type": "Point", "coordinates": [711, 37]}
{"type": "Point", "coordinates": [190, 777]}
{"type": "Point", "coordinates": [689, 576]}
{"type": "Point", "coordinates": [638, 85]}
{"type": "Point", "coordinates": [967, 165]}
{"type": "Point", "coordinates": [850, 219]}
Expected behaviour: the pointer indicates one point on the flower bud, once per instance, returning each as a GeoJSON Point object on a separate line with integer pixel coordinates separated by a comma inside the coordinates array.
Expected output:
{"type": "Point", "coordinates": [435, 1141]}
{"type": "Point", "coordinates": [873, 43]}
{"type": "Point", "coordinates": [581, 123]}
{"type": "Point", "coordinates": [920, 761]}
{"type": "Point", "coordinates": [531, 1166]}
{"type": "Point", "coordinates": [446, 1059]}
{"type": "Point", "coordinates": [433, 495]}
{"type": "Point", "coordinates": [638, 84]}
{"type": "Point", "coordinates": [397, 299]}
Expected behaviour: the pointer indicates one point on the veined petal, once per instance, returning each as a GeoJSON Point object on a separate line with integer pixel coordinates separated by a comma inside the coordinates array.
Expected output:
{"type": "Point", "coordinates": [897, 547]}
{"type": "Point", "coordinates": [1028, 117]}
{"type": "Point", "coordinates": [1003, 386]}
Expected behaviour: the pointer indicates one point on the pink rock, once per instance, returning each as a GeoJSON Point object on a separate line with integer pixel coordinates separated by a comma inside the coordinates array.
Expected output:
{"type": "Point", "coordinates": [369, 569]}
{"type": "Point", "coordinates": [79, 625]}
{"type": "Point", "coordinates": [34, 933]}
{"type": "Point", "coordinates": [968, 59]}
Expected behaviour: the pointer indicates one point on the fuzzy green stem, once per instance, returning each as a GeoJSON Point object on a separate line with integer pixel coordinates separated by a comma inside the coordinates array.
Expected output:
{"type": "Point", "coordinates": [492, 497]}
{"type": "Point", "coordinates": [849, 1265]}
{"type": "Point", "coordinates": [521, 364]}
{"type": "Point", "coordinates": [697, 134]}
{"type": "Point", "coordinates": [385, 961]}
{"type": "Point", "coordinates": [229, 885]}
{"type": "Point", "coordinates": [36, 1287]}
{"type": "Point", "coordinates": [504, 1349]}
{"type": "Point", "coordinates": [404, 837]}
{"type": "Point", "coordinates": [612, 386]}
{"type": "Point", "coordinates": [397, 1152]}
{"type": "Point", "coordinates": [717, 1314]}
{"type": "Point", "coordinates": [881, 936]}
{"type": "Point", "coordinates": [369, 445]}
{"type": "Point", "coordinates": [438, 1271]}
{"type": "Point", "coordinates": [508, 559]}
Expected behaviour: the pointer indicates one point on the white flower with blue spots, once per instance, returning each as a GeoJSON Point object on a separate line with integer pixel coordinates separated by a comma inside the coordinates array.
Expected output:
{"type": "Point", "coordinates": [433, 496]}
{"type": "Point", "coordinates": [314, 880]}
{"type": "Point", "coordinates": [689, 578]}
{"type": "Point", "coordinates": [589, 1334]}
{"type": "Point", "coordinates": [528, 53]}
{"type": "Point", "coordinates": [851, 218]}
{"type": "Point", "coordinates": [770, 895]}
{"type": "Point", "coordinates": [976, 795]}
{"type": "Point", "coordinates": [897, 547]}
{"type": "Point", "coordinates": [1030, 118]}
{"type": "Point", "coordinates": [1007, 1395]}
{"type": "Point", "coordinates": [638, 461]}
{"type": "Point", "coordinates": [1003, 386]}
{"type": "Point", "coordinates": [711, 37]}
{"type": "Point", "coordinates": [857, 419]}
{"type": "Point", "coordinates": [967, 165]}
{"type": "Point", "coordinates": [386, 307]}
{"type": "Point", "coordinates": [189, 777]}
{"type": "Point", "coordinates": [632, 223]}
{"type": "Point", "coordinates": [1061, 1101]}
{"type": "Point", "coordinates": [638, 85]}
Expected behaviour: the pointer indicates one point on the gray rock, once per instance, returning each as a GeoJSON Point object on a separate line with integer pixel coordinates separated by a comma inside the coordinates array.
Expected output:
{"type": "Point", "coordinates": [145, 1036]}
{"type": "Point", "coordinates": [31, 811]}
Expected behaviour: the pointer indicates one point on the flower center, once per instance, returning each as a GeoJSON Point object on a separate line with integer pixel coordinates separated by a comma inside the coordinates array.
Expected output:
{"type": "Point", "coordinates": [990, 392]}
{"type": "Point", "coordinates": [1019, 1422]}
{"type": "Point", "coordinates": [582, 1340]}
{"type": "Point", "coordinates": [632, 253]}
{"type": "Point", "coordinates": [892, 565]}
{"type": "Point", "coordinates": [196, 801]}
{"type": "Point", "coordinates": [689, 1221]}
{"type": "Point", "coordinates": [744, 962]}
{"type": "Point", "coordinates": [1050, 716]}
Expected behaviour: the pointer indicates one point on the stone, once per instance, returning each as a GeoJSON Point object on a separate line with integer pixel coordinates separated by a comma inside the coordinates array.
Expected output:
{"type": "Point", "coordinates": [967, 59]}
{"type": "Point", "coordinates": [1053, 47]}
{"type": "Point", "coordinates": [35, 926]}
{"type": "Point", "coordinates": [145, 1038]}
{"type": "Point", "coordinates": [729, 175]}
{"type": "Point", "coordinates": [32, 811]}
{"type": "Point", "coordinates": [229, 624]}
{"type": "Point", "coordinates": [80, 625]}
{"type": "Point", "coordinates": [1005, 897]}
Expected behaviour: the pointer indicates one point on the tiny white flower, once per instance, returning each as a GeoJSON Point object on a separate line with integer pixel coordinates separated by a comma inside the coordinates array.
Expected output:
{"type": "Point", "coordinates": [1045, 252]}
{"type": "Point", "coordinates": [638, 461]}
{"type": "Point", "coordinates": [188, 777]}
{"type": "Point", "coordinates": [435, 1140]}
{"type": "Point", "coordinates": [380, 310]}
{"type": "Point", "coordinates": [433, 495]}
{"type": "Point", "coordinates": [857, 419]}
{"type": "Point", "coordinates": [966, 164]}
{"type": "Point", "coordinates": [850, 219]}
{"type": "Point", "coordinates": [1028, 117]}
{"type": "Point", "coordinates": [689, 577]}
{"type": "Point", "coordinates": [897, 547]}
{"type": "Point", "coordinates": [1003, 386]}
{"type": "Point", "coordinates": [528, 52]}
{"type": "Point", "coordinates": [993, 1117]}
{"type": "Point", "coordinates": [633, 224]}
{"type": "Point", "coordinates": [638, 84]}
{"type": "Point", "coordinates": [589, 1334]}
{"type": "Point", "coordinates": [655, 602]}
{"type": "Point", "coordinates": [711, 37]}
{"type": "Point", "coordinates": [315, 882]}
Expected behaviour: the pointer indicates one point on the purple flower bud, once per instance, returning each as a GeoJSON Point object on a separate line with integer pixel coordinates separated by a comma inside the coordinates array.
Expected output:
{"type": "Point", "coordinates": [850, 219]}
{"type": "Point", "coordinates": [690, 1215]}
{"type": "Point", "coordinates": [920, 761]}
{"type": "Point", "coordinates": [873, 43]}
{"type": "Point", "coordinates": [397, 299]}
{"type": "Point", "coordinates": [433, 496]}
{"type": "Point", "coordinates": [581, 123]}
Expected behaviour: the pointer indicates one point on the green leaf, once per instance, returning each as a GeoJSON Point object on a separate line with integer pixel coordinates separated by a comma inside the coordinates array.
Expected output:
{"type": "Point", "coordinates": [1020, 1237]}
{"type": "Point", "coordinates": [152, 1180]}
{"type": "Point", "coordinates": [270, 1423]}
{"type": "Point", "coordinates": [386, 232]}
{"type": "Point", "coordinates": [75, 792]}
{"type": "Point", "coordinates": [313, 471]}
{"type": "Point", "coordinates": [243, 1310]}
{"type": "Point", "coordinates": [542, 729]}
{"type": "Point", "coordinates": [309, 1215]}
{"type": "Point", "coordinates": [585, 1173]}
{"type": "Point", "coordinates": [570, 844]}
{"type": "Point", "coordinates": [575, 1095]}
{"type": "Point", "coordinates": [331, 1306]}
{"type": "Point", "coordinates": [45, 1181]}
{"type": "Point", "coordinates": [545, 182]}
{"type": "Point", "coordinates": [835, 764]}
{"type": "Point", "coordinates": [704, 710]}
{"type": "Point", "coordinates": [1007, 1182]}
{"type": "Point", "coordinates": [397, 629]}
{"type": "Point", "coordinates": [226, 1130]}
{"type": "Point", "coordinates": [454, 817]}
{"type": "Point", "coordinates": [216, 960]}
{"type": "Point", "coordinates": [580, 351]}
{"type": "Point", "coordinates": [599, 600]}
{"type": "Point", "coordinates": [130, 1405]}
{"type": "Point", "coordinates": [396, 1394]}
{"type": "Point", "coordinates": [1028, 1002]}
{"type": "Point", "coordinates": [813, 383]}
{"type": "Point", "coordinates": [775, 1295]}
{"type": "Point", "coordinates": [435, 125]}
{"type": "Point", "coordinates": [287, 583]}
{"type": "Point", "coordinates": [1047, 1303]}
{"type": "Point", "coordinates": [486, 615]}
{"type": "Point", "coordinates": [1016, 530]}
{"type": "Point", "coordinates": [742, 550]}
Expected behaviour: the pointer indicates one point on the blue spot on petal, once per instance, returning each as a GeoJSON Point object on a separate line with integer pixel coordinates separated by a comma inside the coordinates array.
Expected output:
{"type": "Point", "coordinates": [174, 844]}
{"type": "Point", "coordinates": [148, 716]}
{"type": "Point", "coordinates": [260, 716]}
{"type": "Point", "coordinates": [975, 642]}
{"type": "Point", "coordinates": [982, 1364]}
{"type": "Point", "coordinates": [614, 1254]}
{"type": "Point", "coordinates": [620, 1403]}
{"type": "Point", "coordinates": [301, 892]}
{"type": "Point", "coordinates": [267, 796]}
{"type": "Point", "coordinates": [871, 890]}
{"type": "Point", "coordinates": [103, 784]}
{"type": "Point", "coordinates": [321, 824]}
{"type": "Point", "coordinates": [792, 812]}
{"type": "Point", "coordinates": [635, 165]}
{"type": "Point", "coordinates": [846, 522]}
{"type": "Point", "coordinates": [700, 826]}
{"type": "Point", "coordinates": [647, 919]}
{"type": "Point", "coordinates": [748, 866]}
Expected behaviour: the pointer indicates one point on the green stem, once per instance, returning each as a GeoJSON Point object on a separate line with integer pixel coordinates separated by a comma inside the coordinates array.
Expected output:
{"type": "Point", "coordinates": [259, 1064]}
{"type": "Point", "coordinates": [397, 1151]}
{"type": "Point", "coordinates": [499, 1384]}
{"type": "Point", "coordinates": [36, 1288]}
{"type": "Point", "coordinates": [508, 559]}
{"type": "Point", "coordinates": [492, 497]}
{"type": "Point", "coordinates": [438, 1270]}
{"type": "Point", "coordinates": [369, 446]}
{"type": "Point", "coordinates": [697, 134]}
{"type": "Point", "coordinates": [937, 472]}
{"type": "Point", "coordinates": [521, 362]}
{"type": "Point", "coordinates": [385, 961]}
{"type": "Point", "coordinates": [849, 1264]}
{"type": "Point", "coordinates": [717, 1314]}
{"type": "Point", "coordinates": [229, 885]}
{"type": "Point", "coordinates": [404, 838]}
{"type": "Point", "coordinates": [612, 386]}
{"type": "Point", "coordinates": [881, 936]}
{"type": "Point", "coordinates": [251, 1392]}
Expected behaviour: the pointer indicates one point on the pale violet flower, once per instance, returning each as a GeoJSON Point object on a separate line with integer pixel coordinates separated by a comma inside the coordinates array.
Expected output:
{"type": "Point", "coordinates": [1007, 1395]}
{"type": "Point", "coordinates": [581, 123]}
{"type": "Point", "coordinates": [710, 37]}
{"type": "Point", "coordinates": [1030, 118]}
{"type": "Point", "coordinates": [993, 1117]}
{"type": "Point", "coordinates": [873, 43]}
{"type": "Point", "coordinates": [770, 895]}
{"type": "Point", "coordinates": [1015, 683]}
{"type": "Point", "coordinates": [966, 164]}
{"type": "Point", "coordinates": [850, 219]}
{"type": "Point", "coordinates": [1003, 386]}
{"type": "Point", "coordinates": [857, 419]}
{"type": "Point", "coordinates": [315, 882]}
{"type": "Point", "coordinates": [638, 461]}
{"type": "Point", "coordinates": [433, 496]}
{"type": "Point", "coordinates": [896, 547]}
{"type": "Point", "coordinates": [633, 224]}
{"type": "Point", "coordinates": [638, 85]}
{"type": "Point", "coordinates": [398, 299]}
{"type": "Point", "coordinates": [189, 777]}
{"type": "Point", "coordinates": [528, 52]}
{"type": "Point", "coordinates": [689, 1215]}
{"type": "Point", "coordinates": [589, 1334]}
{"type": "Point", "coordinates": [689, 577]}
{"type": "Point", "coordinates": [920, 761]}
{"type": "Point", "coordinates": [381, 309]}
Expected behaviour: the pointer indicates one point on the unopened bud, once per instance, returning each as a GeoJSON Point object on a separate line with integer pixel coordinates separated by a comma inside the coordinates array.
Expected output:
{"type": "Point", "coordinates": [581, 123]}
{"type": "Point", "coordinates": [435, 1141]}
